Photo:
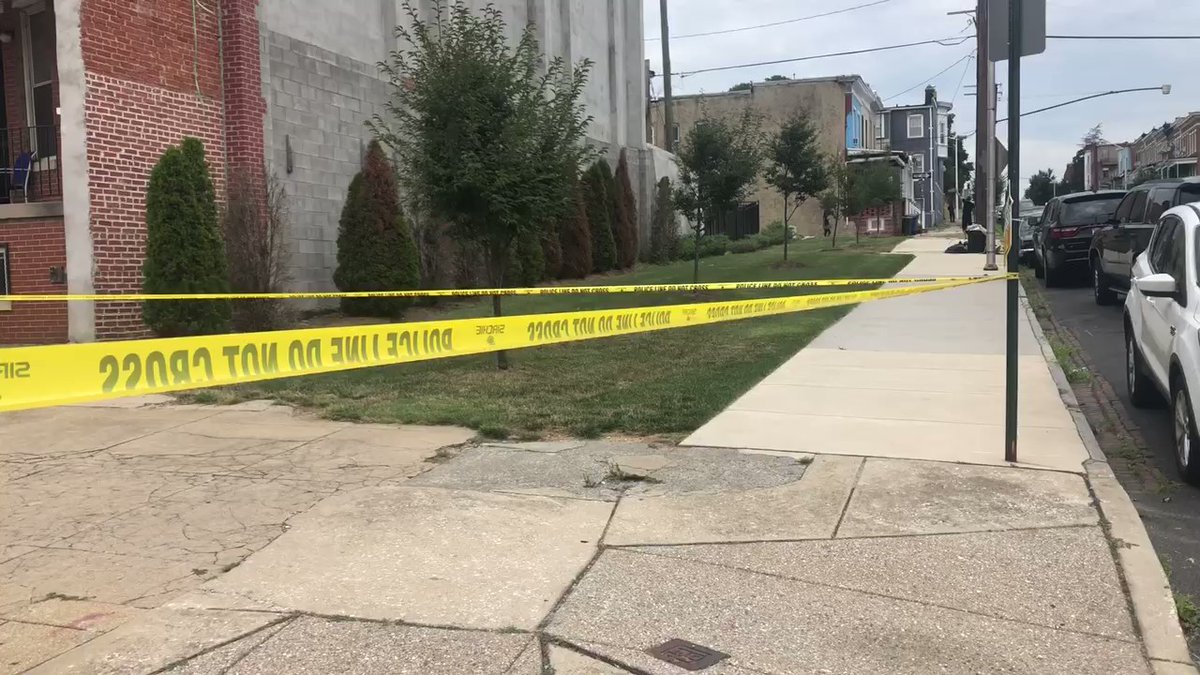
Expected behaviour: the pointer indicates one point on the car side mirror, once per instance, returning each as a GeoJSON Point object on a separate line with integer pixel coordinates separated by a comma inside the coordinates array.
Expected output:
{"type": "Point", "coordinates": [1157, 286]}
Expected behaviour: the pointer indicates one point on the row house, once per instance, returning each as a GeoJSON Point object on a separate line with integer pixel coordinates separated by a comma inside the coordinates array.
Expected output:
{"type": "Point", "coordinates": [96, 90]}
{"type": "Point", "coordinates": [922, 132]}
{"type": "Point", "coordinates": [1168, 151]}
{"type": "Point", "coordinates": [846, 114]}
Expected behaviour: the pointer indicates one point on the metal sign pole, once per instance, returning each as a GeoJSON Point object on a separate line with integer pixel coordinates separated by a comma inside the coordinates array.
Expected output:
{"type": "Point", "coordinates": [1015, 35]}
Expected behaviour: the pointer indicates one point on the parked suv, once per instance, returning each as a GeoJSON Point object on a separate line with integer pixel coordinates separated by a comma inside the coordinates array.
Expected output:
{"type": "Point", "coordinates": [1064, 236]}
{"type": "Point", "coordinates": [1116, 246]}
{"type": "Point", "coordinates": [1162, 330]}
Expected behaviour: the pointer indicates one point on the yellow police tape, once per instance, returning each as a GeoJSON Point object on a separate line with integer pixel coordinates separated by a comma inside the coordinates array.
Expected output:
{"type": "Point", "coordinates": [36, 377]}
{"type": "Point", "coordinates": [476, 292]}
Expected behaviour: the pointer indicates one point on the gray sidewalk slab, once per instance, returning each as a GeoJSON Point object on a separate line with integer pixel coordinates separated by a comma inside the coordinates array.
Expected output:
{"type": "Point", "coordinates": [770, 624]}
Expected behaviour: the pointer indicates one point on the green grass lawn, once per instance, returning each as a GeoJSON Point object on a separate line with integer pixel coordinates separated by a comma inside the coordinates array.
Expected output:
{"type": "Point", "coordinates": [662, 383]}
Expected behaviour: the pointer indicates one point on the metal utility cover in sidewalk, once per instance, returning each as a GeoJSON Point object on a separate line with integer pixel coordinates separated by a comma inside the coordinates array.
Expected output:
{"type": "Point", "coordinates": [687, 655]}
{"type": "Point", "coordinates": [1033, 28]}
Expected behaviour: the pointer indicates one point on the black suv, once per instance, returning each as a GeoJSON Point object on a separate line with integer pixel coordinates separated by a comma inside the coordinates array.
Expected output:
{"type": "Point", "coordinates": [1128, 233]}
{"type": "Point", "coordinates": [1064, 236]}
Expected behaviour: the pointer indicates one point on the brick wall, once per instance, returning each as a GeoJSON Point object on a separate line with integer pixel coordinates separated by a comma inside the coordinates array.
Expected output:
{"type": "Point", "coordinates": [245, 107]}
{"type": "Point", "coordinates": [153, 77]}
{"type": "Point", "coordinates": [34, 246]}
{"type": "Point", "coordinates": [129, 127]}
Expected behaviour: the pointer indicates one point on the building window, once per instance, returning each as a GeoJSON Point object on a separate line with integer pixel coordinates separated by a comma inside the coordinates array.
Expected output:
{"type": "Point", "coordinates": [41, 63]}
{"type": "Point", "coordinates": [675, 138]}
{"type": "Point", "coordinates": [5, 276]}
{"type": "Point", "coordinates": [942, 131]}
{"type": "Point", "coordinates": [881, 126]}
{"type": "Point", "coordinates": [918, 164]}
{"type": "Point", "coordinates": [916, 126]}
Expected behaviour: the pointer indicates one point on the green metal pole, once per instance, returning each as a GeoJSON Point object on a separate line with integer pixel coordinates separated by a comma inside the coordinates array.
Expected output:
{"type": "Point", "coordinates": [1015, 19]}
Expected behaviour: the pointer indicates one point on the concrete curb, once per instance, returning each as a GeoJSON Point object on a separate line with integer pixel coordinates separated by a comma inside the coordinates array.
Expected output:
{"type": "Point", "coordinates": [1150, 594]}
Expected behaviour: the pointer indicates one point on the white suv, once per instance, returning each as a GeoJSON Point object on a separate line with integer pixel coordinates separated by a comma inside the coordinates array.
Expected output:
{"type": "Point", "coordinates": [1162, 330]}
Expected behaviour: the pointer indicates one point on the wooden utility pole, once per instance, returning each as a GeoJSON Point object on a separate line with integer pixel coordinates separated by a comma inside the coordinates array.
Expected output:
{"type": "Point", "coordinates": [668, 104]}
{"type": "Point", "coordinates": [985, 125]}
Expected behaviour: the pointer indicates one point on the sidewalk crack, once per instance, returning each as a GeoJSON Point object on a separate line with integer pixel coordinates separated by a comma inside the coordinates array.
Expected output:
{"type": "Point", "coordinates": [846, 507]}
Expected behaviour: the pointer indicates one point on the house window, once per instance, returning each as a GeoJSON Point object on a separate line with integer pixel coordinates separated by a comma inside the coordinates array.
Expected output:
{"type": "Point", "coordinates": [41, 63]}
{"type": "Point", "coordinates": [881, 126]}
{"type": "Point", "coordinates": [675, 137]}
{"type": "Point", "coordinates": [918, 164]}
{"type": "Point", "coordinates": [916, 126]}
{"type": "Point", "coordinates": [5, 277]}
{"type": "Point", "coordinates": [941, 131]}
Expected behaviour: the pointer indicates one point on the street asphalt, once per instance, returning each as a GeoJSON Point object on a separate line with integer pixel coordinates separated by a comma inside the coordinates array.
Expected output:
{"type": "Point", "coordinates": [1172, 515]}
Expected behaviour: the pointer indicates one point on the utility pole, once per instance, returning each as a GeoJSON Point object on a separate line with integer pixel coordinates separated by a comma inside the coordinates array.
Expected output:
{"type": "Point", "coordinates": [985, 126]}
{"type": "Point", "coordinates": [1016, 46]}
{"type": "Point", "coordinates": [668, 103]}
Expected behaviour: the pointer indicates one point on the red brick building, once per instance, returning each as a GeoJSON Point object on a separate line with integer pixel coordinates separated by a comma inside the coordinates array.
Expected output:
{"type": "Point", "coordinates": [94, 92]}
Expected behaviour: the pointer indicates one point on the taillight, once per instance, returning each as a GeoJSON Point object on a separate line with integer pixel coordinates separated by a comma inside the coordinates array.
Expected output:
{"type": "Point", "coordinates": [1063, 232]}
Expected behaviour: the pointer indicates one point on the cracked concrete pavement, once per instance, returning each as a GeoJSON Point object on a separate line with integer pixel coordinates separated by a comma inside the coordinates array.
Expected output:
{"type": "Point", "coordinates": [108, 511]}
{"type": "Point", "coordinates": [576, 557]}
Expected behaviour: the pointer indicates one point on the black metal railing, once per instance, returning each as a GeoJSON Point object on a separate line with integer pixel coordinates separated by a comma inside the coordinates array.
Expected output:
{"type": "Point", "coordinates": [30, 170]}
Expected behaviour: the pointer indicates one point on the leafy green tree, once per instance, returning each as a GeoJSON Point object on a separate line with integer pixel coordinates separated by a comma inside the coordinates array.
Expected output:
{"type": "Point", "coordinates": [552, 251]}
{"type": "Point", "coordinates": [664, 228]}
{"type": "Point", "coordinates": [625, 208]}
{"type": "Point", "coordinates": [855, 188]}
{"type": "Point", "coordinates": [575, 236]}
{"type": "Point", "coordinates": [718, 164]}
{"type": "Point", "coordinates": [488, 144]}
{"type": "Point", "coordinates": [778, 78]}
{"type": "Point", "coordinates": [965, 169]}
{"type": "Point", "coordinates": [795, 168]}
{"type": "Point", "coordinates": [527, 260]}
{"type": "Point", "coordinates": [597, 182]}
{"type": "Point", "coordinates": [184, 249]}
{"type": "Point", "coordinates": [1042, 187]}
{"type": "Point", "coordinates": [376, 251]}
{"type": "Point", "coordinates": [742, 86]}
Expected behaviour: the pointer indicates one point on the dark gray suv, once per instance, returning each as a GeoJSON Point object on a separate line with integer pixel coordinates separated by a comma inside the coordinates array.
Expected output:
{"type": "Point", "coordinates": [1063, 237]}
{"type": "Point", "coordinates": [1117, 245]}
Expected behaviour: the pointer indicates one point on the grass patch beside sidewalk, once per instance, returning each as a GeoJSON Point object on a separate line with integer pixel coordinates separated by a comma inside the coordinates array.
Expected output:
{"type": "Point", "coordinates": [663, 383]}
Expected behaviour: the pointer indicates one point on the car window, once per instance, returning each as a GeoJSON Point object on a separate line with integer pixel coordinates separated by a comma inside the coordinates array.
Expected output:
{"type": "Point", "coordinates": [1047, 212]}
{"type": "Point", "coordinates": [1188, 193]}
{"type": "Point", "coordinates": [1176, 262]}
{"type": "Point", "coordinates": [1138, 209]}
{"type": "Point", "coordinates": [1126, 207]}
{"type": "Point", "coordinates": [1089, 210]}
{"type": "Point", "coordinates": [1161, 200]}
{"type": "Point", "coordinates": [1160, 248]}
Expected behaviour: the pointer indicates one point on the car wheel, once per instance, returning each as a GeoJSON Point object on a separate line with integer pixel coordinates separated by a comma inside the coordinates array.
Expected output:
{"type": "Point", "coordinates": [1104, 293]}
{"type": "Point", "coordinates": [1187, 446]}
{"type": "Point", "coordinates": [1050, 274]}
{"type": "Point", "coordinates": [1137, 381]}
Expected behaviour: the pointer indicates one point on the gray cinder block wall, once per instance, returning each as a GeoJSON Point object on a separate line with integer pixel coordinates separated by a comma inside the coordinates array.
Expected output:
{"type": "Point", "coordinates": [321, 83]}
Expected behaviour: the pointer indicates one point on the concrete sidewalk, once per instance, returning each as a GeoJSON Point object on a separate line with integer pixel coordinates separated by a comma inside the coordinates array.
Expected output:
{"type": "Point", "coordinates": [850, 515]}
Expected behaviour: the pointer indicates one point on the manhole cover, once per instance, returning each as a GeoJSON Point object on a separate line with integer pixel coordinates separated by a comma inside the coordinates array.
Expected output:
{"type": "Point", "coordinates": [687, 655]}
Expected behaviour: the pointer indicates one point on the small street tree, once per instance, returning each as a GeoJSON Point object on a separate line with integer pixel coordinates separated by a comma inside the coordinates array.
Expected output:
{"type": "Point", "coordinates": [795, 168]}
{"type": "Point", "coordinates": [376, 251]}
{"type": "Point", "coordinates": [627, 215]}
{"type": "Point", "coordinates": [664, 228]}
{"type": "Point", "coordinates": [488, 144]}
{"type": "Point", "coordinates": [1042, 187]}
{"type": "Point", "coordinates": [184, 249]}
{"type": "Point", "coordinates": [855, 188]}
{"type": "Point", "coordinates": [718, 164]}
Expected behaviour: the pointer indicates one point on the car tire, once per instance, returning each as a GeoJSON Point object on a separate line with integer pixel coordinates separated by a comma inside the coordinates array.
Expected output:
{"type": "Point", "coordinates": [1137, 381]}
{"type": "Point", "coordinates": [1050, 274]}
{"type": "Point", "coordinates": [1187, 443]}
{"type": "Point", "coordinates": [1101, 290]}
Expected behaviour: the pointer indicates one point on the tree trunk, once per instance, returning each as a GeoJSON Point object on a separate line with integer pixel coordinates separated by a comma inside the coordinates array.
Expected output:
{"type": "Point", "coordinates": [836, 221]}
{"type": "Point", "coordinates": [696, 260]}
{"type": "Point", "coordinates": [497, 255]}
{"type": "Point", "coordinates": [786, 231]}
{"type": "Point", "coordinates": [857, 241]}
{"type": "Point", "coordinates": [497, 311]}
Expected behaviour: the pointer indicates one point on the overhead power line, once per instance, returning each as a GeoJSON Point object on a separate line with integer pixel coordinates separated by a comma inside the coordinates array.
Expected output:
{"type": "Point", "coordinates": [1123, 37]}
{"type": "Point", "coordinates": [931, 79]}
{"type": "Point", "coordinates": [945, 42]}
{"type": "Point", "coordinates": [772, 24]}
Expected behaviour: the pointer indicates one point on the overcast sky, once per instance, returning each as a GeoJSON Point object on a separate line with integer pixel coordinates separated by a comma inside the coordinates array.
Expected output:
{"type": "Point", "coordinates": [1068, 69]}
